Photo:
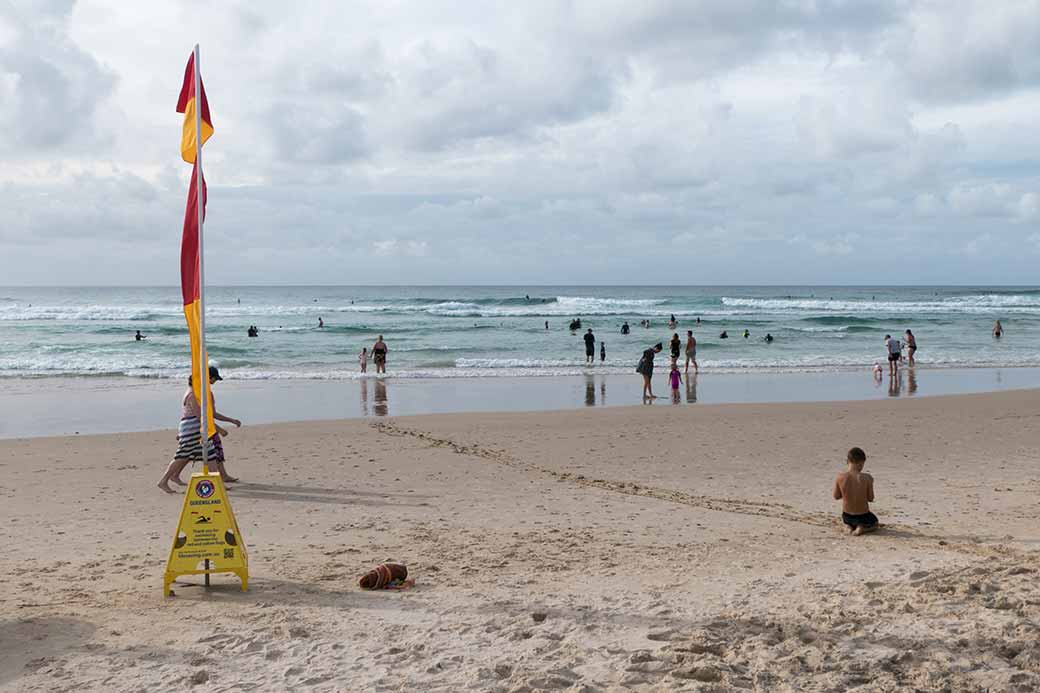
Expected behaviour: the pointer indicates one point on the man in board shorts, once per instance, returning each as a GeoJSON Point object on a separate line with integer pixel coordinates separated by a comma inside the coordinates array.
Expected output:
{"type": "Point", "coordinates": [691, 352]}
{"type": "Point", "coordinates": [895, 352]}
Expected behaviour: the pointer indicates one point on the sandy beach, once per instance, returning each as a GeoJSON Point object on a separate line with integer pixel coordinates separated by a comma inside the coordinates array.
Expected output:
{"type": "Point", "coordinates": [657, 548]}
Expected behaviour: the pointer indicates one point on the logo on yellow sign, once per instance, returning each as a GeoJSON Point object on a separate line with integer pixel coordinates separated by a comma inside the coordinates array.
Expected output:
{"type": "Point", "coordinates": [207, 539]}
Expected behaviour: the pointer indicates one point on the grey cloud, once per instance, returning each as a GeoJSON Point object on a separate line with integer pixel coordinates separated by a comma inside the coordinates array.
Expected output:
{"type": "Point", "coordinates": [471, 91]}
{"type": "Point", "coordinates": [50, 88]}
{"type": "Point", "coordinates": [969, 50]}
{"type": "Point", "coordinates": [316, 132]}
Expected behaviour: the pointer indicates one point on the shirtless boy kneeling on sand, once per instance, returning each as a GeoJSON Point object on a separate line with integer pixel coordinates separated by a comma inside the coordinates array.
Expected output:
{"type": "Point", "coordinates": [855, 489]}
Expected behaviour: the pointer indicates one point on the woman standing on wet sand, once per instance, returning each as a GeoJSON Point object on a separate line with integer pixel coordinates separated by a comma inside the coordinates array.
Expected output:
{"type": "Point", "coordinates": [646, 369]}
{"type": "Point", "coordinates": [379, 354]}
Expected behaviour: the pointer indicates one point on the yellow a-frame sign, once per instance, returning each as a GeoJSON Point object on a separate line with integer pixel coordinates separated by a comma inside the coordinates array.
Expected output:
{"type": "Point", "coordinates": [207, 535]}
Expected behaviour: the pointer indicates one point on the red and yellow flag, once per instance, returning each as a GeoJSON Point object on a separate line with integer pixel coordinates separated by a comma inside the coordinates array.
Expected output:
{"type": "Point", "coordinates": [191, 284]}
{"type": "Point", "coordinates": [186, 104]}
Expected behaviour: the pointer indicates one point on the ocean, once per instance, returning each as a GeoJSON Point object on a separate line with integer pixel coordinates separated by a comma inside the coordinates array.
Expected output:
{"type": "Point", "coordinates": [499, 332]}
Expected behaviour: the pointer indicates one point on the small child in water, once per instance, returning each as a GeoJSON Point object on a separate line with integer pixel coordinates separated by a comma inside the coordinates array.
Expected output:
{"type": "Point", "coordinates": [675, 379]}
{"type": "Point", "coordinates": [602, 351]}
{"type": "Point", "coordinates": [855, 489]}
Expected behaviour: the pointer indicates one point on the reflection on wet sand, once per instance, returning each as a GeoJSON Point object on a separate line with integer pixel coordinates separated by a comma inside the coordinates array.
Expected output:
{"type": "Point", "coordinates": [895, 385]}
{"type": "Point", "coordinates": [590, 391]}
{"type": "Point", "coordinates": [380, 402]}
{"type": "Point", "coordinates": [911, 381]}
{"type": "Point", "coordinates": [381, 405]}
{"type": "Point", "coordinates": [691, 389]}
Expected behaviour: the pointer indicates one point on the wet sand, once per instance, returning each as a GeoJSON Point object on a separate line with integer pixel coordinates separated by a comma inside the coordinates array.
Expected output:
{"type": "Point", "coordinates": [653, 548]}
{"type": "Point", "coordinates": [67, 406]}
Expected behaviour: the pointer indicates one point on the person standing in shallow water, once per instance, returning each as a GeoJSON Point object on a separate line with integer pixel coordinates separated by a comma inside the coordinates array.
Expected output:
{"type": "Point", "coordinates": [379, 352]}
{"type": "Point", "coordinates": [691, 352]}
{"type": "Point", "coordinates": [911, 348]}
{"type": "Point", "coordinates": [590, 347]}
{"type": "Point", "coordinates": [646, 369]}
{"type": "Point", "coordinates": [675, 346]}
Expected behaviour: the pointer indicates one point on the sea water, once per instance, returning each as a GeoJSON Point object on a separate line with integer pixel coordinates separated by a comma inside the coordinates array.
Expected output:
{"type": "Point", "coordinates": [440, 332]}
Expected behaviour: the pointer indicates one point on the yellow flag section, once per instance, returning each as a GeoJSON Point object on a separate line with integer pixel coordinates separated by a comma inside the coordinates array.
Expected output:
{"type": "Point", "coordinates": [207, 539]}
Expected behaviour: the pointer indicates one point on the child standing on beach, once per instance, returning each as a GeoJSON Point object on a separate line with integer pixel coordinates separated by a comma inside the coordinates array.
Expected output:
{"type": "Point", "coordinates": [675, 379]}
{"type": "Point", "coordinates": [363, 359]}
{"type": "Point", "coordinates": [855, 489]}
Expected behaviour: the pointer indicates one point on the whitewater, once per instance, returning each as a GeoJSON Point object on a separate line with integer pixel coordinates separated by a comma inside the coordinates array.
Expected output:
{"type": "Point", "coordinates": [439, 332]}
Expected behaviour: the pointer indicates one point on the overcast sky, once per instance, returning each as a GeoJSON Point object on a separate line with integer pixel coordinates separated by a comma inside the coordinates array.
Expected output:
{"type": "Point", "coordinates": [650, 142]}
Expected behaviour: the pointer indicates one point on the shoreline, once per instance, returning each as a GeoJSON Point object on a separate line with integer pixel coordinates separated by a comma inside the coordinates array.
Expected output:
{"type": "Point", "coordinates": [693, 548]}
{"type": "Point", "coordinates": [83, 406]}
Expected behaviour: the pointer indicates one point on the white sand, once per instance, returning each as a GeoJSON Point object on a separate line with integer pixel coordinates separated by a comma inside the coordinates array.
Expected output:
{"type": "Point", "coordinates": [687, 548]}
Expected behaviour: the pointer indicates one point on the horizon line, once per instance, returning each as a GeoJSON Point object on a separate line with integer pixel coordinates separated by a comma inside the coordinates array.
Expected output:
{"type": "Point", "coordinates": [516, 286]}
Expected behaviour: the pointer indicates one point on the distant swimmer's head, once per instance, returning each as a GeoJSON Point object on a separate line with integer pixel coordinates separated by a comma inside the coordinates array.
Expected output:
{"type": "Point", "coordinates": [856, 457]}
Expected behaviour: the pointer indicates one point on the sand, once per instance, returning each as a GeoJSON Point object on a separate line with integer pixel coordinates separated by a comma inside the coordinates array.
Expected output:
{"type": "Point", "coordinates": [657, 548]}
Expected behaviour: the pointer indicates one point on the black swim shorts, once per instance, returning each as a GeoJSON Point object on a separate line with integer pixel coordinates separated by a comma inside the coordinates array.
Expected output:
{"type": "Point", "coordinates": [864, 520]}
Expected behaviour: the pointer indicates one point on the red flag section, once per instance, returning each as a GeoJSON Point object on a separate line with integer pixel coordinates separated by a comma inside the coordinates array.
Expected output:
{"type": "Point", "coordinates": [186, 104]}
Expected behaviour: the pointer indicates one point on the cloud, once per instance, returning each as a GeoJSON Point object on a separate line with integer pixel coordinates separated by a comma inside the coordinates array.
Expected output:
{"type": "Point", "coordinates": [588, 142]}
{"type": "Point", "coordinates": [394, 246]}
{"type": "Point", "coordinates": [50, 89]}
{"type": "Point", "coordinates": [969, 50]}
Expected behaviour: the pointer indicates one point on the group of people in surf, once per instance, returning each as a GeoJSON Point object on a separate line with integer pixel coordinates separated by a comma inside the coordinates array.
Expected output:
{"type": "Point", "coordinates": [646, 364]}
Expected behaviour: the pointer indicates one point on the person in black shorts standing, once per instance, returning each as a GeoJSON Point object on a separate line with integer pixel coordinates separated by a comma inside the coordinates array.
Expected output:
{"type": "Point", "coordinates": [590, 347]}
{"type": "Point", "coordinates": [675, 345]}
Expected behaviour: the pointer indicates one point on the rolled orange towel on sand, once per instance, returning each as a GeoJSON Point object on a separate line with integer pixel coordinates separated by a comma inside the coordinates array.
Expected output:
{"type": "Point", "coordinates": [382, 575]}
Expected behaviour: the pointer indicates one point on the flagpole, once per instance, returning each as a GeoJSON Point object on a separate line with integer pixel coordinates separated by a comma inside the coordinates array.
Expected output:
{"type": "Point", "coordinates": [203, 375]}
